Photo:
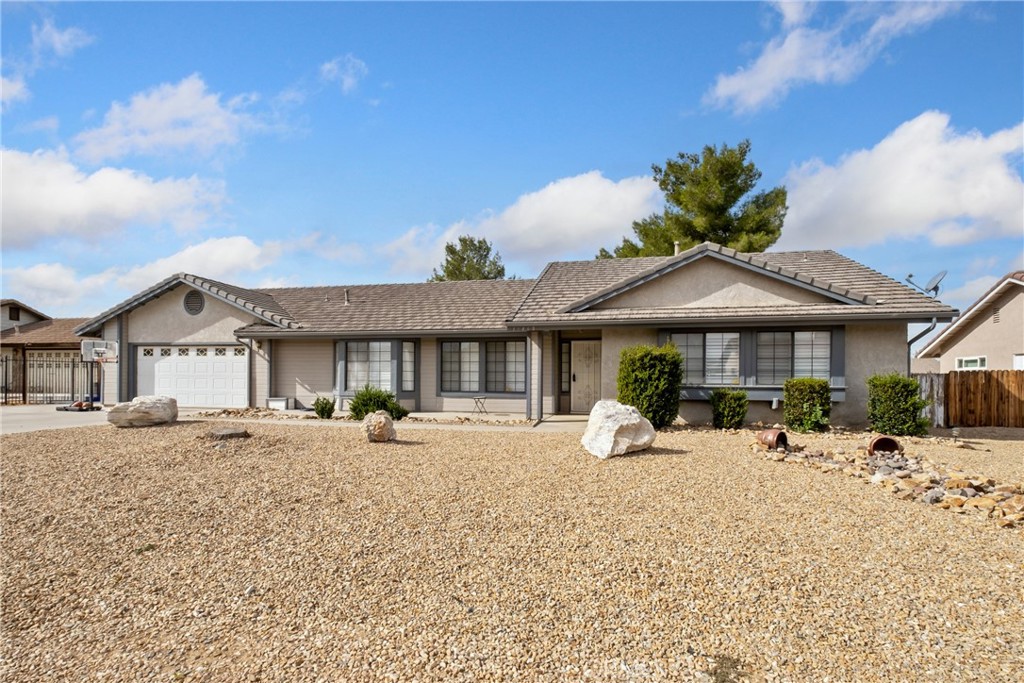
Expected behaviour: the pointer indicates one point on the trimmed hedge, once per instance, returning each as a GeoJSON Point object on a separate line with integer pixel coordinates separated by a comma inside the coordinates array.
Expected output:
{"type": "Point", "coordinates": [895, 405]}
{"type": "Point", "coordinates": [370, 399]}
{"type": "Point", "coordinates": [807, 404]}
{"type": "Point", "coordinates": [728, 408]}
{"type": "Point", "coordinates": [650, 379]}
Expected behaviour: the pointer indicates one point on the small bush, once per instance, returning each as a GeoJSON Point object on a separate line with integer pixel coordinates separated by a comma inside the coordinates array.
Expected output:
{"type": "Point", "coordinates": [807, 404]}
{"type": "Point", "coordinates": [895, 405]}
{"type": "Point", "coordinates": [370, 399]}
{"type": "Point", "coordinates": [728, 408]}
{"type": "Point", "coordinates": [650, 379]}
{"type": "Point", "coordinates": [323, 407]}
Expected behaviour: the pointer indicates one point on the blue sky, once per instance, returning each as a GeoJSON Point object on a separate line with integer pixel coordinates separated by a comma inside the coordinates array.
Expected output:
{"type": "Point", "coordinates": [276, 144]}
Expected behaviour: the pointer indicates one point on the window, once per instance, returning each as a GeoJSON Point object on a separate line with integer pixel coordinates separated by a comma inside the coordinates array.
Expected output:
{"type": "Point", "coordinates": [460, 366]}
{"type": "Point", "coordinates": [145, 352]}
{"type": "Point", "coordinates": [164, 353]}
{"type": "Point", "coordinates": [367, 363]}
{"type": "Point", "coordinates": [506, 366]}
{"type": "Point", "coordinates": [239, 351]}
{"type": "Point", "coordinates": [220, 351]}
{"type": "Point", "coordinates": [972, 363]}
{"type": "Point", "coordinates": [201, 352]}
{"type": "Point", "coordinates": [691, 346]}
{"type": "Point", "coordinates": [782, 355]}
{"type": "Point", "coordinates": [14, 313]}
{"type": "Point", "coordinates": [408, 366]}
{"type": "Point", "coordinates": [183, 352]}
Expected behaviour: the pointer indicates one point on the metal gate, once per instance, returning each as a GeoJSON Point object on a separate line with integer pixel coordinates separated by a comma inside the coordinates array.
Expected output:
{"type": "Point", "coordinates": [48, 380]}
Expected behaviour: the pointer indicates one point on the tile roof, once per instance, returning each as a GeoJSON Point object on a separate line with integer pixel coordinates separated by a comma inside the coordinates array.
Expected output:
{"type": "Point", "coordinates": [565, 290]}
{"type": "Point", "coordinates": [473, 305]}
{"type": "Point", "coordinates": [43, 333]}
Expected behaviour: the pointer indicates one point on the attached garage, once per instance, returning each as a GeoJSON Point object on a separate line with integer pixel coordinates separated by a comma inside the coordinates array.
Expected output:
{"type": "Point", "coordinates": [197, 376]}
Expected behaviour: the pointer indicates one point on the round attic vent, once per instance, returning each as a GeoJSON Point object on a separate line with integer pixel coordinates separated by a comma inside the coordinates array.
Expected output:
{"type": "Point", "coordinates": [194, 303]}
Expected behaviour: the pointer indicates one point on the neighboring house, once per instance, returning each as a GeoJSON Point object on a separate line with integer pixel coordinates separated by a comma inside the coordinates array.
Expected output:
{"type": "Point", "coordinates": [40, 357]}
{"type": "Point", "coordinates": [988, 336]}
{"type": "Point", "coordinates": [14, 313]}
{"type": "Point", "coordinates": [524, 347]}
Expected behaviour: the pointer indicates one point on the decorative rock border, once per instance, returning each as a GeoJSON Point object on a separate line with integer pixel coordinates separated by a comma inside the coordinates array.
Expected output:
{"type": "Point", "coordinates": [915, 479]}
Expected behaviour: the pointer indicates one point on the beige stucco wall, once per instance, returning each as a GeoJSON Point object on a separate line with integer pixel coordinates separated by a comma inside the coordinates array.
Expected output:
{"type": "Point", "coordinates": [302, 370]}
{"type": "Point", "coordinates": [164, 320]}
{"type": "Point", "coordinates": [259, 372]}
{"type": "Point", "coordinates": [877, 348]}
{"type": "Point", "coordinates": [712, 283]}
{"type": "Point", "coordinates": [613, 340]}
{"type": "Point", "coordinates": [108, 381]}
{"type": "Point", "coordinates": [982, 336]}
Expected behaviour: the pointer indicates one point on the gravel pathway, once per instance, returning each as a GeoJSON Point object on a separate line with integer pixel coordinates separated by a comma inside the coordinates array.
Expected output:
{"type": "Point", "coordinates": [310, 555]}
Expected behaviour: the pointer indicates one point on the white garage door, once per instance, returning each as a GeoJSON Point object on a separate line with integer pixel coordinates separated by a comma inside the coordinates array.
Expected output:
{"type": "Point", "coordinates": [199, 376]}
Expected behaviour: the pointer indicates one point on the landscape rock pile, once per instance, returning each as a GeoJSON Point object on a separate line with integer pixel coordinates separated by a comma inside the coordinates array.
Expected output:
{"type": "Point", "coordinates": [919, 479]}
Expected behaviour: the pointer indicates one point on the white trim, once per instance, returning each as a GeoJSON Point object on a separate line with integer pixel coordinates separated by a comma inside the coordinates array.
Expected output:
{"type": "Point", "coordinates": [972, 363]}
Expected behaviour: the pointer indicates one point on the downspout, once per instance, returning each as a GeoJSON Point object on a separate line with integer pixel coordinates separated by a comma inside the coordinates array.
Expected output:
{"type": "Point", "coordinates": [910, 344]}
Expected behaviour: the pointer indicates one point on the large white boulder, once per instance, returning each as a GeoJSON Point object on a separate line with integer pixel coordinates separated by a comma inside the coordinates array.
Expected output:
{"type": "Point", "coordinates": [615, 429]}
{"type": "Point", "coordinates": [379, 427]}
{"type": "Point", "coordinates": [144, 411]}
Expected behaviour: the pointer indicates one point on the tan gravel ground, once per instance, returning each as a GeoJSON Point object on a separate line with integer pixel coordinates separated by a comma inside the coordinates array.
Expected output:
{"type": "Point", "coordinates": [306, 554]}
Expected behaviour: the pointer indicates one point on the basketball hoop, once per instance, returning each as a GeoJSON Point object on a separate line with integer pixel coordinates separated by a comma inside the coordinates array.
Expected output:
{"type": "Point", "coordinates": [99, 351]}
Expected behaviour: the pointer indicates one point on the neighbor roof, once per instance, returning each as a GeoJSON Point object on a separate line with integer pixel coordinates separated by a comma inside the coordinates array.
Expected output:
{"type": "Point", "coordinates": [935, 347]}
{"type": "Point", "coordinates": [566, 292]}
{"type": "Point", "coordinates": [15, 302]}
{"type": "Point", "coordinates": [51, 332]}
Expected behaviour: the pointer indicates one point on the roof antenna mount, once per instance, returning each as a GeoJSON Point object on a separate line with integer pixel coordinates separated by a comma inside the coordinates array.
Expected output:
{"type": "Point", "coordinates": [932, 288]}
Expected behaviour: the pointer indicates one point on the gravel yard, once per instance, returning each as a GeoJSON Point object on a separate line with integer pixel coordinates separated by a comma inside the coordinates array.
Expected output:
{"type": "Point", "coordinates": [307, 554]}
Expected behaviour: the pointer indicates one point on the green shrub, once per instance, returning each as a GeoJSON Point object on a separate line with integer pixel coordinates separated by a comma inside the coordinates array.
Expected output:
{"type": "Point", "coordinates": [650, 379]}
{"type": "Point", "coordinates": [895, 404]}
{"type": "Point", "coordinates": [807, 404]}
{"type": "Point", "coordinates": [728, 408]}
{"type": "Point", "coordinates": [370, 399]}
{"type": "Point", "coordinates": [323, 407]}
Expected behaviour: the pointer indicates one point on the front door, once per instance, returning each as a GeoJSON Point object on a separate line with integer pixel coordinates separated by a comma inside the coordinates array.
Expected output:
{"type": "Point", "coordinates": [585, 366]}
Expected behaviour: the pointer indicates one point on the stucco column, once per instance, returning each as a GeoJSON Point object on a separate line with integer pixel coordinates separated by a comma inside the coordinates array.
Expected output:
{"type": "Point", "coordinates": [535, 349]}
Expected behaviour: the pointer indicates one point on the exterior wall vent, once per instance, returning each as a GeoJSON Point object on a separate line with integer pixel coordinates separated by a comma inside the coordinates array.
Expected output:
{"type": "Point", "coordinates": [995, 314]}
{"type": "Point", "coordinates": [194, 303]}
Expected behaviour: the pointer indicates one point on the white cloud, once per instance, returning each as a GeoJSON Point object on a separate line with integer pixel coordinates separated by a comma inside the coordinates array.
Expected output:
{"type": "Point", "coordinates": [47, 39]}
{"type": "Point", "coordinates": [58, 288]}
{"type": "Point", "coordinates": [219, 258]}
{"type": "Point", "coordinates": [330, 248]}
{"type": "Point", "coordinates": [923, 180]}
{"type": "Point", "coordinates": [794, 13]}
{"type": "Point", "coordinates": [182, 117]}
{"type": "Point", "coordinates": [45, 195]}
{"type": "Point", "coordinates": [804, 54]}
{"type": "Point", "coordinates": [569, 218]}
{"type": "Point", "coordinates": [12, 90]}
{"type": "Point", "coordinates": [347, 71]}
{"type": "Point", "coordinates": [54, 287]}
{"type": "Point", "coordinates": [47, 124]}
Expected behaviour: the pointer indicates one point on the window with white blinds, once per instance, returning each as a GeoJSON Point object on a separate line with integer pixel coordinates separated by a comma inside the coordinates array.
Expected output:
{"type": "Point", "coordinates": [367, 363]}
{"type": "Point", "coordinates": [722, 358]}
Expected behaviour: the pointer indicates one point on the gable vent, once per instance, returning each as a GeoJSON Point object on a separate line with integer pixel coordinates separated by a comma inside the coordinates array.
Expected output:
{"type": "Point", "coordinates": [194, 303]}
{"type": "Point", "coordinates": [995, 314]}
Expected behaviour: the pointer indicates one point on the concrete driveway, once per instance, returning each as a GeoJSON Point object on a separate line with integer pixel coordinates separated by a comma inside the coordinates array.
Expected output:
{"type": "Point", "coordinates": [14, 419]}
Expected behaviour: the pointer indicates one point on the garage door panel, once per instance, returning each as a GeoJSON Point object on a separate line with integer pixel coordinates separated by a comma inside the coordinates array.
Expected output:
{"type": "Point", "coordinates": [200, 376]}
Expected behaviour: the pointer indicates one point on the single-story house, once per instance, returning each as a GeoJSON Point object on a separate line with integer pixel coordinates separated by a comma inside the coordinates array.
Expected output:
{"type": "Point", "coordinates": [988, 336]}
{"type": "Point", "coordinates": [528, 348]}
{"type": "Point", "coordinates": [40, 357]}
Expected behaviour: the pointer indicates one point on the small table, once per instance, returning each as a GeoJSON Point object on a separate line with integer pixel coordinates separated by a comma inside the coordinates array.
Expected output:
{"type": "Point", "coordinates": [479, 404]}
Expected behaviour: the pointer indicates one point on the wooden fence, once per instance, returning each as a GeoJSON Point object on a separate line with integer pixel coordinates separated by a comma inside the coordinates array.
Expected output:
{"type": "Point", "coordinates": [974, 398]}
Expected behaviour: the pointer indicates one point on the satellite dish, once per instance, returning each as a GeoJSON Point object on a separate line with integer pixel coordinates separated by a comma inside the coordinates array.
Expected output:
{"type": "Point", "coordinates": [932, 288]}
